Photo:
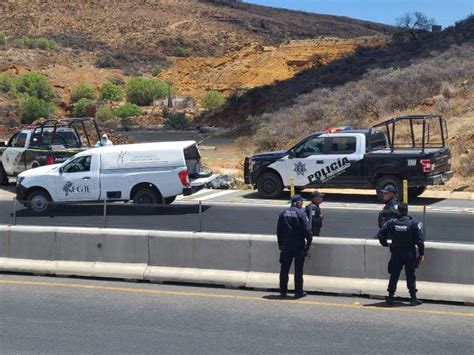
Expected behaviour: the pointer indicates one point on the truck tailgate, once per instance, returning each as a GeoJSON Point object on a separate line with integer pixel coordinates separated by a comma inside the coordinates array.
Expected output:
{"type": "Point", "coordinates": [441, 161]}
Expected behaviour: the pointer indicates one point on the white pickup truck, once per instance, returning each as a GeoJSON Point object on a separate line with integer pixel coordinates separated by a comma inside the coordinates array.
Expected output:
{"type": "Point", "coordinates": [148, 173]}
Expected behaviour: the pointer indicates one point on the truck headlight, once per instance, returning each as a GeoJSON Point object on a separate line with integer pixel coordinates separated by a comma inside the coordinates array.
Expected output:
{"type": "Point", "coordinates": [251, 165]}
{"type": "Point", "coordinates": [19, 180]}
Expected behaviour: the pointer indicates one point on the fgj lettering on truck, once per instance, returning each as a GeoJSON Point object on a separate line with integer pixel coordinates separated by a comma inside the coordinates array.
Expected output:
{"type": "Point", "coordinates": [148, 173]}
{"type": "Point", "coordinates": [359, 158]}
{"type": "Point", "coordinates": [51, 142]}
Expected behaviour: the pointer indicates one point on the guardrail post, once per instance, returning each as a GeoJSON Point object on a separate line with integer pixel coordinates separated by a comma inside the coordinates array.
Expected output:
{"type": "Point", "coordinates": [200, 216]}
{"type": "Point", "coordinates": [14, 211]}
{"type": "Point", "coordinates": [105, 213]}
{"type": "Point", "coordinates": [424, 221]}
{"type": "Point", "coordinates": [405, 191]}
{"type": "Point", "coordinates": [292, 186]}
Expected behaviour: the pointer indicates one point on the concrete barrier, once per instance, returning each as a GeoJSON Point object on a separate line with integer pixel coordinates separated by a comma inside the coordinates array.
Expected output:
{"type": "Point", "coordinates": [28, 242]}
{"type": "Point", "coordinates": [338, 265]}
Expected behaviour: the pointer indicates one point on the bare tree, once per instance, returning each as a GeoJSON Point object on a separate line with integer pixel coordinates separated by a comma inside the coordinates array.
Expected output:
{"type": "Point", "coordinates": [415, 23]}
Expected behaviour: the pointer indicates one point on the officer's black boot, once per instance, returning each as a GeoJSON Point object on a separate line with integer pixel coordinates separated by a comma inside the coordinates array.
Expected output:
{"type": "Point", "coordinates": [414, 300]}
{"type": "Point", "coordinates": [389, 299]}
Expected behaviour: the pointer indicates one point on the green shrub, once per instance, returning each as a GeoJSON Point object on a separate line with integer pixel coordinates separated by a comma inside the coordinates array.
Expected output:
{"type": "Point", "coordinates": [27, 42]}
{"type": "Point", "coordinates": [180, 52]}
{"type": "Point", "coordinates": [32, 108]}
{"type": "Point", "coordinates": [111, 91]}
{"type": "Point", "coordinates": [161, 89]}
{"type": "Point", "coordinates": [6, 82]}
{"type": "Point", "coordinates": [3, 38]}
{"type": "Point", "coordinates": [45, 43]}
{"type": "Point", "coordinates": [80, 107]}
{"type": "Point", "coordinates": [175, 120]}
{"type": "Point", "coordinates": [127, 110]}
{"type": "Point", "coordinates": [34, 84]}
{"type": "Point", "coordinates": [142, 91]}
{"type": "Point", "coordinates": [104, 113]}
{"type": "Point", "coordinates": [83, 91]}
{"type": "Point", "coordinates": [157, 70]}
{"type": "Point", "coordinates": [213, 100]}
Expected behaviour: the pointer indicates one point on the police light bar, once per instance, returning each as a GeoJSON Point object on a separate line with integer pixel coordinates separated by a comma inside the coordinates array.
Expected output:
{"type": "Point", "coordinates": [337, 129]}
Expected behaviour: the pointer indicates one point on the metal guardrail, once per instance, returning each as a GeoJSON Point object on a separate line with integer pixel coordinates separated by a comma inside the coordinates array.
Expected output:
{"type": "Point", "coordinates": [105, 213]}
{"type": "Point", "coordinates": [101, 213]}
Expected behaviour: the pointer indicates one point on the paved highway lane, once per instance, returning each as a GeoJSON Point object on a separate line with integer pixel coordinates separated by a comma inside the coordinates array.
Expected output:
{"type": "Point", "coordinates": [58, 315]}
{"type": "Point", "coordinates": [221, 217]}
{"type": "Point", "coordinates": [243, 212]}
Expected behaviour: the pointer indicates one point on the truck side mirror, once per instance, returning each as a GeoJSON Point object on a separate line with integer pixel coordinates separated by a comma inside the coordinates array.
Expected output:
{"type": "Point", "coordinates": [61, 170]}
{"type": "Point", "coordinates": [291, 154]}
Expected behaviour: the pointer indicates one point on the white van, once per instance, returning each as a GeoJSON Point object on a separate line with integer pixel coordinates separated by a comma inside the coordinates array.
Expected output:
{"type": "Point", "coordinates": [147, 173]}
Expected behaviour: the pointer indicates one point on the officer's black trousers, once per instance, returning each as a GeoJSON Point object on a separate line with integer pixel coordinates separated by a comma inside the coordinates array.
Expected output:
{"type": "Point", "coordinates": [286, 258]}
{"type": "Point", "coordinates": [402, 258]}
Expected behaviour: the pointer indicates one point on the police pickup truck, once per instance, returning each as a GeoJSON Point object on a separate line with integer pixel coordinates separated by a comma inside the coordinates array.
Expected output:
{"type": "Point", "coordinates": [358, 158]}
{"type": "Point", "coordinates": [146, 173]}
{"type": "Point", "coordinates": [51, 142]}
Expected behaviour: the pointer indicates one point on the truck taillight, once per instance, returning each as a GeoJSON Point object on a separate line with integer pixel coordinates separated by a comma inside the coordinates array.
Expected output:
{"type": "Point", "coordinates": [426, 165]}
{"type": "Point", "coordinates": [184, 178]}
{"type": "Point", "coordinates": [50, 160]}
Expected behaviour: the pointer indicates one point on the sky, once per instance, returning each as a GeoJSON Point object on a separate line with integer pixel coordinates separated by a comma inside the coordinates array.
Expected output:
{"type": "Point", "coordinates": [445, 12]}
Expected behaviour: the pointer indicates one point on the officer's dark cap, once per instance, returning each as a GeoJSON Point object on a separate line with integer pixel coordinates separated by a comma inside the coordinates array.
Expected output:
{"type": "Point", "coordinates": [389, 188]}
{"type": "Point", "coordinates": [296, 198]}
{"type": "Point", "coordinates": [402, 208]}
{"type": "Point", "coordinates": [316, 194]}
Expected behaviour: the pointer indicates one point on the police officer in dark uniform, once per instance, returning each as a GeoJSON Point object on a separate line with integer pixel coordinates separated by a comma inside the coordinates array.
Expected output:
{"type": "Point", "coordinates": [406, 235]}
{"type": "Point", "coordinates": [391, 202]}
{"type": "Point", "coordinates": [313, 211]}
{"type": "Point", "coordinates": [294, 240]}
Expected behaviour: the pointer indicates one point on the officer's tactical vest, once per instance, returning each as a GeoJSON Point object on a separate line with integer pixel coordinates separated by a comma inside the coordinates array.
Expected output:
{"type": "Point", "coordinates": [402, 235]}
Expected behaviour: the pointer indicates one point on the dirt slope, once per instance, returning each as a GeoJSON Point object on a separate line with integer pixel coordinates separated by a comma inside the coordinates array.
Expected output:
{"type": "Point", "coordinates": [259, 65]}
{"type": "Point", "coordinates": [156, 27]}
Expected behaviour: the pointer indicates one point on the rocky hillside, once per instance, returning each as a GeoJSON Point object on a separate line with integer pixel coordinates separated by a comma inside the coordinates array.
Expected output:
{"type": "Point", "coordinates": [149, 30]}
{"type": "Point", "coordinates": [257, 65]}
{"type": "Point", "coordinates": [349, 69]}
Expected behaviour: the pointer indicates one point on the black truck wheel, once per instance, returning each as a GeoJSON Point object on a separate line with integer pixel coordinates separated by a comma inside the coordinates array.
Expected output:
{"type": "Point", "coordinates": [416, 191]}
{"type": "Point", "coordinates": [269, 185]}
{"type": "Point", "coordinates": [170, 200]}
{"type": "Point", "coordinates": [387, 180]}
{"type": "Point", "coordinates": [38, 201]}
{"type": "Point", "coordinates": [3, 176]}
{"type": "Point", "coordinates": [145, 196]}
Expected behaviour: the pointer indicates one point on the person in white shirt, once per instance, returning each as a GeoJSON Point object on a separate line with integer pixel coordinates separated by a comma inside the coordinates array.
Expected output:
{"type": "Point", "coordinates": [104, 141]}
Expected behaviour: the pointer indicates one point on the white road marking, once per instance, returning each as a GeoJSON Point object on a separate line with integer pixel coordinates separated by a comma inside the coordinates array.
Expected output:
{"type": "Point", "coordinates": [214, 195]}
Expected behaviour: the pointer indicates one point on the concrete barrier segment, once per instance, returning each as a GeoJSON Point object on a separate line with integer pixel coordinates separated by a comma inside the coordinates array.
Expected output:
{"type": "Point", "coordinates": [4, 241]}
{"type": "Point", "coordinates": [41, 267]}
{"type": "Point", "coordinates": [31, 242]}
{"type": "Point", "coordinates": [191, 275]}
{"type": "Point", "coordinates": [231, 252]}
{"type": "Point", "coordinates": [264, 280]}
{"type": "Point", "coordinates": [129, 271]}
{"type": "Point", "coordinates": [74, 268]}
{"type": "Point", "coordinates": [328, 257]}
{"type": "Point", "coordinates": [444, 263]}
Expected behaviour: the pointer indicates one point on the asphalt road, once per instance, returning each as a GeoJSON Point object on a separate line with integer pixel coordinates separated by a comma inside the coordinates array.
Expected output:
{"type": "Point", "coordinates": [243, 212]}
{"type": "Point", "coordinates": [344, 222]}
{"type": "Point", "coordinates": [59, 315]}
